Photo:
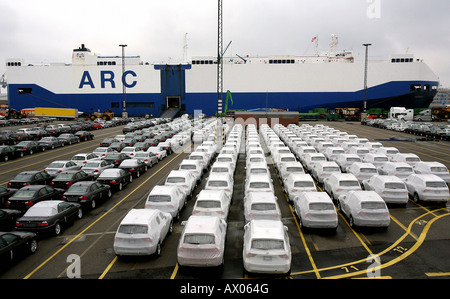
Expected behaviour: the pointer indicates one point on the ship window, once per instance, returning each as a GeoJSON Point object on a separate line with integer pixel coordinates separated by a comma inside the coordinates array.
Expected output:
{"type": "Point", "coordinates": [114, 105]}
{"type": "Point", "coordinates": [415, 87]}
{"type": "Point", "coordinates": [24, 90]}
{"type": "Point", "coordinates": [426, 88]}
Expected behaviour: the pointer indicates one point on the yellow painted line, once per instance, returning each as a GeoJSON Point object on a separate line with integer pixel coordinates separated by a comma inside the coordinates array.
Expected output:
{"type": "Point", "coordinates": [175, 271]}
{"type": "Point", "coordinates": [97, 220]}
{"type": "Point", "coordinates": [437, 274]}
{"type": "Point", "coordinates": [109, 267]}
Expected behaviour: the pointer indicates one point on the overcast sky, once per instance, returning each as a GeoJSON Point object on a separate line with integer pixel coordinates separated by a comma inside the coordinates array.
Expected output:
{"type": "Point", "coordinates": [42, 31]}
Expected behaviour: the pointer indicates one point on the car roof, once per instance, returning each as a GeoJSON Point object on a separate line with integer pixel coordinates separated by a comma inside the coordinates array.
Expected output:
{"type": "Point", "coordinates": [163, 189]}
{"type": "Point", "coordinates": [427, 177]}
{"type": "Point", "coordinates": [32, 187]}
{"type": "Point", "coordinates": [388, 178]}
{"type": "Point", "coordinates": [367, 195]}
{"type": "Point", "coordinates": [201, 224]}
{"type": "Point", "coordinates": [267, 229]}
{"type": "Point", "coordinates": [139, 216]}
{"type": "Point", "coordinates": [315, 196]}
{"type": "Point", "coordinates": [300, 176]}
{"type": "Point", "coordinates": [258, 196]}
{"type": "Point", "coordinates": [48, 203]}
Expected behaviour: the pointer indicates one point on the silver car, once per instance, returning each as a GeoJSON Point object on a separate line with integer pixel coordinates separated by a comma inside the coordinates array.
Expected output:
{"type": "Point", "coordinates": [96, 167]}
{"type": "Point", "coordinates": [147, 157]}
{"type": "Point", "coordinates": [59, 166]}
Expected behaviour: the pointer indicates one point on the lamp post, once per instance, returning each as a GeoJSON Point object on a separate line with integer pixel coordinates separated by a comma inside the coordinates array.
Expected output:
{"type": "Point", "coordinates": [365, 75]}
{"type": "Point", "coordinates": [124, 95]}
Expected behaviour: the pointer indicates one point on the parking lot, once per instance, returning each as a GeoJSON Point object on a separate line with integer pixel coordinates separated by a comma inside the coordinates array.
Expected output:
{"type": "Point", "coordinates": [415, 245]}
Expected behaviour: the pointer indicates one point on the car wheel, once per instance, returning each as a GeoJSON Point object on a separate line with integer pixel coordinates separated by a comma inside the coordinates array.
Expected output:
{"type": "Point", "coordinates": [146, 168]}
{"type": "Point", "coordinates": [109, 193]}
{"type": "Point", "coordinates": [120, 186]}
{"type": "Point", "coordinates": [138, 174]}
{"type": "Point", "coordinates": [53, 147]}
{"type": "Point", "coordinates": [416, 198]}
{"type": "Point", "coordinates": [171, 227]}
{"type": "Point", "coordinates": [31, 152]}
{"type": "Point", "coordinates": [6, 158]}
{"type": "Point", "coordinates": [131, 178]}
{"type": "Point", "coordinates": [57, 229]}
{"type": "Point", "coordinates": [21, 154]}
{"type": "Point", "coordinates": [93, 204]}
{"type": "Point", "coordinates": [80, 213]}
{"type": "Point", "coordinates": [43, 149]}
{"type": "Point", "coordinates": [339, 206]}
{"type": "Point", "coordinates": [33, 246]}
{"type": "Point", "coordinates": [352, 222]}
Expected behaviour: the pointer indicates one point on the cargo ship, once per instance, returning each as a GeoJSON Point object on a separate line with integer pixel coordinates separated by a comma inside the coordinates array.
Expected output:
{"type": "Point", "coordinates": [329, 79]}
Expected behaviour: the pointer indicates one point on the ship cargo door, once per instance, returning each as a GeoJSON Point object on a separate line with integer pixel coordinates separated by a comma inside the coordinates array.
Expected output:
{"type": "Point", "coordinates": [172, 86]}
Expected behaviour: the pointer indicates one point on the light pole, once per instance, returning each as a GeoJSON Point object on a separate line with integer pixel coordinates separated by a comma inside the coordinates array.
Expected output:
{"type": "Point", "coordinates": [124, 95]}
{"type": "Point", "coordinates": [365, 75]}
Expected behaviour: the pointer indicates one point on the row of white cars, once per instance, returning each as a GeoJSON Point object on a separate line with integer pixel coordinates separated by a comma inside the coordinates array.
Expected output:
{"type": "Point", "coordinates": [362, 176]}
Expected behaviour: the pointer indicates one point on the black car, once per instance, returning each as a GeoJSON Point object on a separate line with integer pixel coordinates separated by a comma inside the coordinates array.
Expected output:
{"type": "Point", "coordinates": [67, 178]}
{"type": "Point", "coordinates": [108, 141]}
{"type": "Point", "coordinates": [135, 166]}
{"type": "Point", "coordinates": [129, 141]}
{"type": "Point", "coordinates": [49, 216]}
{"type": "Point", "coordinates": [8, 219]}
{"type": "Point", "coordinates": [142, 145]}
{"type": "Point", "coordinates": [29, 147]}
{"type": "Point", "coordinates": [53, 130]}
{"type": "Point", "coordinates": [9, 152]}
{"type": "Point", "coordinates": [116, 158]}
{"type": "Point", "coordinates": [18, 136]}
{"type": "Point", "coordinates": [84, 135]}
{"type": "Point", "coordinates": [5, 193]}
{"type": "Point", "coordinates": [38, 133]}
{"type": "Point", "coordinates": [117, 146]}
{"type": "Point", "coordinates": [68, 138]}
{"type": "Point", "coordinates": [27, 196]}
{"type": "Point", "coordinates": [25, 178]}
{"type": "Point", "coordinates": [87, 193]}
{"type": "Point", "coordinates": [50, 142]}
{"type": "Point", "coordinates": [116, 178]}
{"type": "Point", "coordinates": [15, 244]}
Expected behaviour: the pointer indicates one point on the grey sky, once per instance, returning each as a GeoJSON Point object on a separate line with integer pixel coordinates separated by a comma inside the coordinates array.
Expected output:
{"type": "Point", "coordinates": [47, 30]}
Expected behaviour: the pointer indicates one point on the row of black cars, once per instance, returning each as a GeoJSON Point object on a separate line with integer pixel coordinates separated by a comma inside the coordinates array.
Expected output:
{"type": "Point", "coordinates": [35, 202]}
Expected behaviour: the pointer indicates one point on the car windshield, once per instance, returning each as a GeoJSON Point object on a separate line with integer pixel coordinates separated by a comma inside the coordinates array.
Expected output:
{"type": "Point", "coordinates": [226, 159]}
{"type": "Point", "coordinates": [294, 169]}
{"type": "Point", "coordinates": [141, 155]}
{"type": "Point", "coordinates": [258, 170]}
{"type": "Point", "coordinates": [331, 168]}
{"type": "Point", "coordinates": [303, 184]}
{"type": "Point", "coordinates": [187, 166]}
{"type": "Point", "coordinates": [439, 169]}
{"type": "Point", "coordinates": [318, 158]}
{"type": "Point", "coordinates": [368, 170]}
{"type": "Point", "coordinates": [217, 183]}
{"type": "Point", "coordinates": [56, 165]}
{"type": "Point", "coordinates": [79, 158]}
{"type": "Point", "coordinates": [436, 184]}
{"type": "Point", "coordinates": [24, 194]}
{"type": "Point", "coordinates": [372, 205]}
{"type": "Point", "coordinates": [23, 177]}
{"type": "Point", "coordinates": [112, 156]}
{"type": "Point", "coordinates": [64, 176]}
{"type": "Point", "coordinates": [404, 169]}
{"type": "Point", "coordinates": [263, 206]}
{"type": "Point", "coordinates": [412, 159]}
{"type": "Point", "coordinates": [267, 244]}
{"type": "Point", "coordinates": [77, 188]}
{"type": "Point", "coordinates": [348, 183]}
{"type": "Point", "coordinates": [259, 185]}
{"type": "Point", "coordinates": [159, 198]}
{"type": "Point", "coordinates": [321, 206]}
{"type": "Point", "coordinates": [91, 165]}
{"type": "Point", "coordinates": [380, 159]}
{"type": "Point", "coordinates": [394, 186]}
{"type": "Point", "coordinates": [176, 180]}
{"type": "Point", "coordinates": [208, 204]}
{"type": "Point", "coordinates": [127, 150]}
{"type": "Point", "coordinates": [199, 239]}
{"type": "Point", "coordinates": [40, 211]}
{"type": "Point", "coordinates": [219, 169]}
{"type": "Point", "coordinates": [133, 229]}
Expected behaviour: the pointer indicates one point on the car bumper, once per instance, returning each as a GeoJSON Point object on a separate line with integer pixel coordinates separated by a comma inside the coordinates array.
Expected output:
{"type": "Point", "coordinates": [371, 222]}
{"type": "Point", "coordinates": [267, 267]}
{"type": "Point", "coordinates": [434, 197]}
{"type": "Point", "coordinates": [128, 250]}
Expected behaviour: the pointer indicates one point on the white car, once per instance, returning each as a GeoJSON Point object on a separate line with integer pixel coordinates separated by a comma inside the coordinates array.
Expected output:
{"type": "Point", "coordinates": [130, 151]}
{"type": "Point", "coordinates": [283, 159]}
{"type": "Point", "coordinates": [300, 152]}
{"type": "Point", "coordinates": [258, 182]}
{"type": "Point", "coordinates": [202, 242]}
{"type": "Point", "coordinates": [220, 181]}
{"type": "Point", "coordinates": [158, 152]}
{"type": "Point", "coordinates": [389, 187]}
{"type": "Point", "coordinates": [59, 166]}
{"type": "Point", "coordinates": [96, 167]}
{"type": "Point", "coordinates": [364, 208]}
{"type": "Point", "coordinates": [83, 158]}
{"type": "Point", "coordinates": [194, 167]}
{"type": "Point", "coordinates": [289, 168]}
{"type": "Point", "coordinates": [347, 145]}
{"type": "Point", "coordinates": [332, 152]}
{"type": "Point", "coordinates": [399, 169]}
{"type": "Point", "coordinates": [435, 168]}
{"type": "Point", "coordinates": [266, 247]}
{"type": "Point", "coordinates": [141, 232]}
{"type": "Point", "coordinates": [261, 205]}
{"type": "Point", "coordinates": [427, 187]}
{"type": "Point", "coordinates": [373, 146]}
{"type": "Point", "coordinates": [315, 210]}
{"type": "Point", "coordinates": [168, 198]}
{"type": "Point", "coordinates": [221, 167]}
{"type": "Point", "coordinates": [212, 203]}
{"type": "Point", "coordinates": [182, 178]}
{"type": "Point", "coordinates": [312, 158]}
{"type": "Point", "coordinates": [227, 158]}
{"type": "Point", "coordinates": [257, 168]}
{"type": "Point", "coordinates": [362, 171]}
{"type": "Point", "coordinates": [255, 158]}
{"type": "Point", "coordinates": [346, 160]}
{"type": "Point", "coordinates": [376, 159]}
{"type": "Point", "coordinates": [102, 151]}
{"type": "Point", "coordinates": [389, 151]}
{"type": "Point", "coordinates": [409, 158]}
{"type": "Point", "coordinates": [340, 183]}
{"type": "Point", "coordinates": [202, 158]}
{"type": "Point", "coordinates": [324, 169]}
{"type": "Point", "coordinates": [360, 150]}
{"type": "Point", "coordinates": [297, 183]}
